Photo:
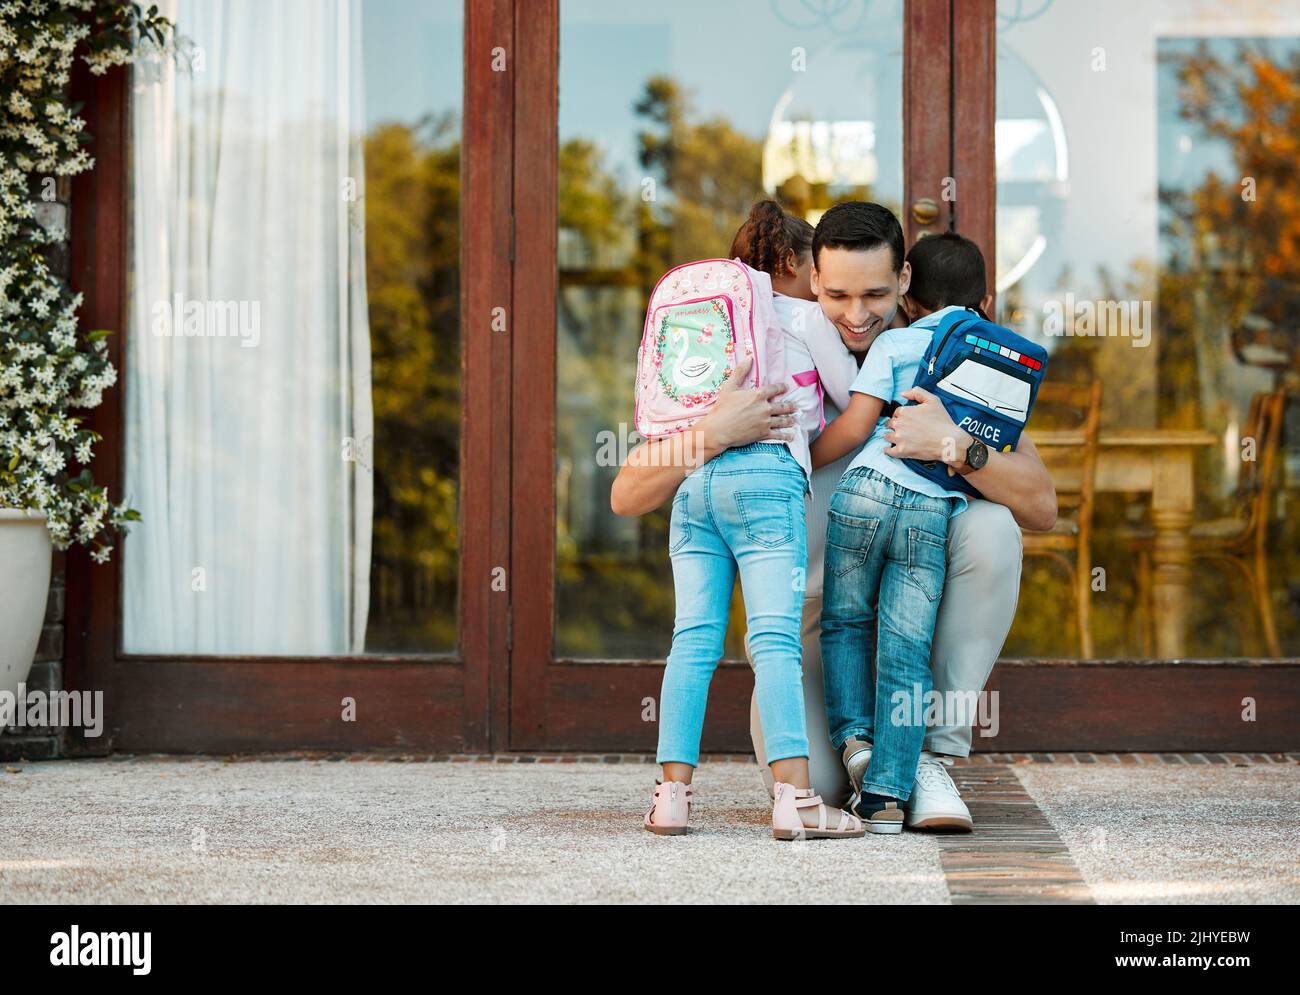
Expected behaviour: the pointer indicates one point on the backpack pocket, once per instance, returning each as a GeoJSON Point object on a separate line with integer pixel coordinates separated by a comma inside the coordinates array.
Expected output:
{"type": "Point", "coordinates": [990, 400]}
{"type": "Point", "coordinates": [694, 348]}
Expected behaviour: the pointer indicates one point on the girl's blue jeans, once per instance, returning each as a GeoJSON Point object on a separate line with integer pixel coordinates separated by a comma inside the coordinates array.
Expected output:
{"type": "Point", "coordinates": [886, 558]}
{"type": "Point", "coordinates": [743, 510]}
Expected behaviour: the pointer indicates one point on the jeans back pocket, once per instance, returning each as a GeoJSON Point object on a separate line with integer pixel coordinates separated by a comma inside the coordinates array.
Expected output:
{"type": "Point", "coordinates": [848, 540]}
{"type": "Point", "coordinates": [768, 516]}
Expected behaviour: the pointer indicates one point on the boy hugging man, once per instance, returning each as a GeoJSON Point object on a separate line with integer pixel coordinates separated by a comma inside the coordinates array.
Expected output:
{"type": "Point", "coordinates": [886, 549]}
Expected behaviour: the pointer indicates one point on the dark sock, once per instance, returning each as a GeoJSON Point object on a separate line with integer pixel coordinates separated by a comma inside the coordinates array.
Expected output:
{"type": "Point", "coordinates": [871, 798]}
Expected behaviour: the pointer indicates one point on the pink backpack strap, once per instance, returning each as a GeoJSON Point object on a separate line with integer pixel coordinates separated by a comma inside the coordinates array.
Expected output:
{"type": "Point", "coordinates": [805, 379]}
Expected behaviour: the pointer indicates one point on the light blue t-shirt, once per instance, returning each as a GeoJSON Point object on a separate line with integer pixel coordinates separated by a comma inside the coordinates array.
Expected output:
{"type": "Point", "coordinates": [889, 369]}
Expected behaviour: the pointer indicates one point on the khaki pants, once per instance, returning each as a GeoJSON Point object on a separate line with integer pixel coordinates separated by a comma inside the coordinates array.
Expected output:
{"type": "Point", "coordinates": [975, 614]}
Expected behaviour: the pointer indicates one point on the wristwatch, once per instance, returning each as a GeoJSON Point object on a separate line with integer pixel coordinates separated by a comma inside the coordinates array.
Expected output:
{"type": "Point", "coordinates": [977, 454]}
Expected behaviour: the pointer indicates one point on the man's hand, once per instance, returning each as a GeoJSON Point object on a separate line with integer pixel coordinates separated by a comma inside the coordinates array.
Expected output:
{"type": "Point", "coordinates": [741, 415]}
{"type": "Point", "coordinates": [1016, 479]}
{"type": "Point", "coordinates": [654, 468]}
{"type": "Point", "coordinates": [925, 431]}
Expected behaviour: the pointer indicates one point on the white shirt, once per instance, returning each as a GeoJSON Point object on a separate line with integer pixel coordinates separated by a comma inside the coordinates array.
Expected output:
{"type": "Point", "coordinates": [808, 395]}
{"type": "Point", "coordinates": [836, 366]}
{"type": "Point", "coordinates": [814, 338]}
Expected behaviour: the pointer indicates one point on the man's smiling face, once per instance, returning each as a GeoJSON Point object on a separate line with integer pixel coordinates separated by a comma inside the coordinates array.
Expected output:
{"type": "Point", "coordinates": [859, 291]}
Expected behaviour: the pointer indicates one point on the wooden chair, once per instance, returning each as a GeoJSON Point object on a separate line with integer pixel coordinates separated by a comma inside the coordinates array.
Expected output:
{"type": "Point", "coordinates": [1241, 539]}
{"type": "Point", "coordinates": [1075, 407]}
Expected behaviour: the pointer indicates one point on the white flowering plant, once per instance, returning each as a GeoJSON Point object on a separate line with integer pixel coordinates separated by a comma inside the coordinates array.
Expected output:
{"type": "Point", "coordinates": [49, 367]}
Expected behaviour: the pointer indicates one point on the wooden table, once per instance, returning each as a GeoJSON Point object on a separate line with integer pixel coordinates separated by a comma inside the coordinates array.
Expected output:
{"type": "Point", "coordinates": [1157, 462]}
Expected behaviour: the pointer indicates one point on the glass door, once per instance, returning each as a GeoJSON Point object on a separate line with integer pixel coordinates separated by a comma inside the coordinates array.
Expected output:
{"type": "Point", "coordinates": [275, 232]}
{"type": "Point", "coordinates": [641, 142]}
{"type": "Point", "coordinates": [1146, 225]}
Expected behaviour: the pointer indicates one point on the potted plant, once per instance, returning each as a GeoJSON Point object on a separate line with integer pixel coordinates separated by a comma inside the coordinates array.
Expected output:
{"type": "Point", "coordinates": [49, 368]}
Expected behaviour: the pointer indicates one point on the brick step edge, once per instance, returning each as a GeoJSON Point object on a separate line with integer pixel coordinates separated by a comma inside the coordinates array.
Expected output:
{"type": "Point", "coordinates": [977, 760]}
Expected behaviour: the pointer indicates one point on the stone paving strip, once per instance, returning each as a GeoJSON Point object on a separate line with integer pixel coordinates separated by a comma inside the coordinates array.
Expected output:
{"type": "Point", "coordinates": [1014, 855]}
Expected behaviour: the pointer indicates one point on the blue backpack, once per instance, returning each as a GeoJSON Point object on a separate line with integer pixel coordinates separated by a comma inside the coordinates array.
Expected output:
{"type": "Point", "coordinates": [987, 377]}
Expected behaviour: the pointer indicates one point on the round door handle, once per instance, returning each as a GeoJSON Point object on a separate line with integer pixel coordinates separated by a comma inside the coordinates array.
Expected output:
{"type": "Point", "coordinates": [925, 211]}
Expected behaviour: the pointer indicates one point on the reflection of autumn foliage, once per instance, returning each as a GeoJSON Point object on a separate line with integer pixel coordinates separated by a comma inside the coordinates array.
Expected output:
{"type": "Point", "coordinates": [1229, 269]}
{"type": "Point", "coordinates": [1234, 265]}
{"type": "Point", "coordinates": [591, 204]}
{"type": "Point", "coordinates": [621, 237]}
{"type": "Point", "coordinates": [1235, 240]}
{"type": "Point", "coordinates": [710, 172]}
{"type": "Point", "coordinates": [412, 202]}
{"type": "Point", "coordinates": [618, 236]}
{"type": "Point", "coordinates": [1253, 105]}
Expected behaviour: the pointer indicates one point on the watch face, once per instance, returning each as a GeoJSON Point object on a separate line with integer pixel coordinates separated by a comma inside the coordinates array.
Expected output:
{"type": "Point", "coordinates": [977, 455]}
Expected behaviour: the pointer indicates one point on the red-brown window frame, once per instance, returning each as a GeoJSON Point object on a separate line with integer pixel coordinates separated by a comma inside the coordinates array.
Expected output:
{"type": "Point", "coordinates": [502, 689]}
{"type": "Point", "coordinates": [428, 703]}
{"type": "Point", "coordinates": [567, 704]}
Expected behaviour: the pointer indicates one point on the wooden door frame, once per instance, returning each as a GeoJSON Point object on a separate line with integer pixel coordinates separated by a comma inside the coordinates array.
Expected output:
{"type": "Point", "coordinates": [596, 705]}
{"type": "Point", "coordinates": [570, 704]}
{"type": "Point", "coordinates": [927, 127]}
{"type": "Point", "coordinates": [206, 704]}
{"type": "Point", "coordinates": [974, 114]}
{"type": "Point", "coordinates": [949, 158]}
{"type": "Point", "coordinates": [502, 690]}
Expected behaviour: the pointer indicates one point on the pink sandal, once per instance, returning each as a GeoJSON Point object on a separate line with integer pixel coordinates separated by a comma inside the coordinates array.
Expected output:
{"type": "Point", "coordinates": [786, 824]}
{"type": "Point", "coordinates": [671, 808]}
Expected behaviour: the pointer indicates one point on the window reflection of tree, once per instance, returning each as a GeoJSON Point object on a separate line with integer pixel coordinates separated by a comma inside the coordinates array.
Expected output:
{"type": "Point", "coordinates": [1230, 286]}
{"type": "Point", "coordinates": [412, 206]}
{"type": "Point", "coordinates": [1225, 287]}
{"type": "Point", "coordinates": [614, 590]}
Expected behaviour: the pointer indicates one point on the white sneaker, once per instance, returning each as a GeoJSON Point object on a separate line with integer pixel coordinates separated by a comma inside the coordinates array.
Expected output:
{"type": "Point", "coordinates": [935, 802]}
{"type": "Point", "coordinates": [857, 756]}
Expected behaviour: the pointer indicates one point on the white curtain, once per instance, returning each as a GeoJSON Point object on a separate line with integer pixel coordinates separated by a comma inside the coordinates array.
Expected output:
{"type": "Point", "coordinates": [248, 446]}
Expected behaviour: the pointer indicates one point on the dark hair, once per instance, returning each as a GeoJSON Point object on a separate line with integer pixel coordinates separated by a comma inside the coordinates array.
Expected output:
{"type": "Point", "coordinates": [768, 234]}
{"type": "Point", "coordinates": [856, 224]}
{"type": "Point", "coordinates": [947, 269]}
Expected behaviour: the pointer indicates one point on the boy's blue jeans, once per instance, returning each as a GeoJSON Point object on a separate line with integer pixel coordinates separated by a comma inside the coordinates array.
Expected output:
{"type": "Point", "coordinates": [744, 509]}
{"type": "Point", "coordinates": [886, 558]}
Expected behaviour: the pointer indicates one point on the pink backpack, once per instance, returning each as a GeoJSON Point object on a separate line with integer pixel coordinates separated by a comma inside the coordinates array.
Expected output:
{"type": "Point", "coordinates": [702, 316]}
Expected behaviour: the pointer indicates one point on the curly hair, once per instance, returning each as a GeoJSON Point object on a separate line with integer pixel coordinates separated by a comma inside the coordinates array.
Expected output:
{"type": "Point", "coordinates": [768, 234]}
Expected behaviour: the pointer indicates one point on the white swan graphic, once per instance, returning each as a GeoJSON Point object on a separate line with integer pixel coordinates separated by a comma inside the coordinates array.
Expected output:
{"type": "Point", "coordinates": [690, 371]}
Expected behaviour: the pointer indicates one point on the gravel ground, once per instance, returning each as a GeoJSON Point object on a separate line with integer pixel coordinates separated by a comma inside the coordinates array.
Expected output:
{"type": "Point", "coordinates": [1179, 835]}
{"type": "Point", "coordinates": [172, 830]}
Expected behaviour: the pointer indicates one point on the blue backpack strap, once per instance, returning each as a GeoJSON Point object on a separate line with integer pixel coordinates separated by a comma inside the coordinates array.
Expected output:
{"type": "Point", "coordinates": [887, 411]}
